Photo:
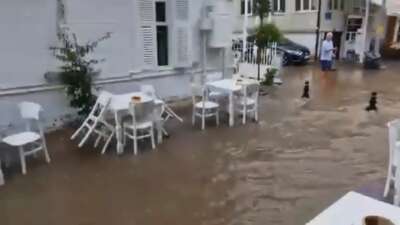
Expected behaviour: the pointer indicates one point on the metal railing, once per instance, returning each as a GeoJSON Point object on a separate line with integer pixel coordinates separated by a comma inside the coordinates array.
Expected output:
{"type": "Point", "coordinates": [251, 51]}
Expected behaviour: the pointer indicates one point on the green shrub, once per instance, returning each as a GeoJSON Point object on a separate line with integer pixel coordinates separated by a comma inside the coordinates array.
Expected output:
{"type": "Point", "coordinates": [77, 69]}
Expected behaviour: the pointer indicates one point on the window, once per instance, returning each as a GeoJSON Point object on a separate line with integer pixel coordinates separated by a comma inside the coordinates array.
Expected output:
{"type": "Point", "coordinates": [396, 38]}
{"type": "Point", "coordinates": [298, 5]}
{"type": "Point", "coordinates": [249, 7]}
{"type": "Point", "coordinates": [162, 33]}
{"type": "Point", "coordinates": [306, 5]}
{"type": "Point", "coordinates": [335, 5]}
{"type": "Point", "coordinates": [279, 5]}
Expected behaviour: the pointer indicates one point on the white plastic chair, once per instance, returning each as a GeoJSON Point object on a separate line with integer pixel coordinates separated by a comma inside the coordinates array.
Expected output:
{"type": "Point", "coordinates": [247, 101]}
{"type": "Point", "coordinates": [166, 112]}
{"type": "Point", "coordinates": [203, 108]}
{"type": "Point", "coordinates": [141, 124]}
{"type": "Point", "coordinates": [214, 95]}
{"type": "Point", "coordinates": [394, 154]}
{"type": "Point", "coordinates": [30, 141]}
{"type": "Point", "coordinates": [96, 122]}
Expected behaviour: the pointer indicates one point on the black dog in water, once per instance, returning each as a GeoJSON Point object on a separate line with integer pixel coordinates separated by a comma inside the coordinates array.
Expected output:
{"type": "Point", "coordinates": [306, 90]}
{"type": "Point", "coordinates": [372, 103]}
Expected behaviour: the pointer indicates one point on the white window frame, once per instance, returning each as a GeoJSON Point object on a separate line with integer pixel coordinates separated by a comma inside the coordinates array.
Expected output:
{"type": "Point", "coordinates": [396, 36]}
{"type": "Point", "coordinates": [168, 25]}
{"type": "Point", "coordinates": [280, 10]}
{"type": "Point", "coordinates": [338, 4]}
{"type": "Point", "coordinates": [251, 8]}
{"type": "Point", "coordinates": [302, 10]}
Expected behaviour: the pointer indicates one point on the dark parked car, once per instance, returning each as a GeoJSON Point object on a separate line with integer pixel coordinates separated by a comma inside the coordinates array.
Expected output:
{"type": "Point", "coordinates": [293, 52]}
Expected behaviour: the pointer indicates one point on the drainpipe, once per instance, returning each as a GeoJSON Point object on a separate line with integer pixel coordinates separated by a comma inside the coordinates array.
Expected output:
{"type": "Point", "coordinates": [204, 51]}
{"type": "Point", "coordinates": [317, 31]}
{"type": "Point", "coordinates": [365, 36]}
{"type": "Point", "coordinates": [245, 22]}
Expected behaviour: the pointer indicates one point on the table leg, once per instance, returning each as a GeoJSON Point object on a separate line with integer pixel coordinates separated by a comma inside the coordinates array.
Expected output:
{"type": "Point", "coordinates": [231, 111]}
{"type": "Point", "coordinates": [2, 182]}
{"type": "Point", "coordinates": [159, 132]}
{"type": "Point", "coordinates": [397, 187]}
{"type": "Point", "coordinates": [118, 134]}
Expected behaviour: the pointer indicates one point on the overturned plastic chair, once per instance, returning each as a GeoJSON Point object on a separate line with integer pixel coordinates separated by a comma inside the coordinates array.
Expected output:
{"type": "Point", "coordinates": [166, 112]}
{"type": "Point", "coordinates": [96, 123]}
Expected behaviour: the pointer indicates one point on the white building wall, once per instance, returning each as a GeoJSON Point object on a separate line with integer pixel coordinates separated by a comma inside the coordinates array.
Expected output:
{"type": "Point", "coordinates": [28, 29]}
{"type": "Point", "coordinates": [31, 29]}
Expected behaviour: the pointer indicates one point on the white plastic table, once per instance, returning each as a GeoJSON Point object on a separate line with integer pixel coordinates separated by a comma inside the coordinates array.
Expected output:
{"type": "Point", "coordinates": [120, 104]}
{"type": "Point", "coordinates": [228, 86]}
{"type": "Point", "coordinates": [352, 208]}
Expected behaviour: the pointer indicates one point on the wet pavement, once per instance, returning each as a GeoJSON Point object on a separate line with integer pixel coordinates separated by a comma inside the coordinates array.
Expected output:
{"type": "Point", "coordinates": [284, 170]}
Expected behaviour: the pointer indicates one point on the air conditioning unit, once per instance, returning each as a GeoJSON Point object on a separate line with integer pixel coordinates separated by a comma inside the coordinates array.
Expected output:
{"type": "Point", "coordinates": [221, 21]}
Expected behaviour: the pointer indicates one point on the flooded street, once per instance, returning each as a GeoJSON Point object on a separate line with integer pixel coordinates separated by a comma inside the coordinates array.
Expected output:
{"type": "Point", "coordinates": [284, 170]}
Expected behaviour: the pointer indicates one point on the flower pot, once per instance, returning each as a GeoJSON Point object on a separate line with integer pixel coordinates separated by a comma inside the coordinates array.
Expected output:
{"type": "Point", "coordinates": [377, 220]}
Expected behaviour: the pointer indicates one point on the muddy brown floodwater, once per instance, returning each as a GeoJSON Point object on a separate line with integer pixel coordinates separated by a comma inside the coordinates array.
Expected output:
{"type": "Point", "coordinates": [284, 170]}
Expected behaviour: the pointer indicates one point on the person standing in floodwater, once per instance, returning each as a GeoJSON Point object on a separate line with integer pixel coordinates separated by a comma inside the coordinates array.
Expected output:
{"type": "Point", "coordinates": [327, 53]}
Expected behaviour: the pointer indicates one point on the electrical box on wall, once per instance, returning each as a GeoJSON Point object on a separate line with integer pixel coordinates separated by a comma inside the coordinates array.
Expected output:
{"type": "Point", "coordinates": [221, 32]}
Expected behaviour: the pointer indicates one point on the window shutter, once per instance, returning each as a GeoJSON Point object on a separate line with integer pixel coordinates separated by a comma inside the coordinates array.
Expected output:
{"type": "Point", "coordinates": [181, 39]}
{"type": "Point", "coordinates": [147, 32]}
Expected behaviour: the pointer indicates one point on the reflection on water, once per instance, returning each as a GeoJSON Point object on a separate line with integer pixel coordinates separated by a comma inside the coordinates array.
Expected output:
{"type": "Point", "coordinates": [282, 171]}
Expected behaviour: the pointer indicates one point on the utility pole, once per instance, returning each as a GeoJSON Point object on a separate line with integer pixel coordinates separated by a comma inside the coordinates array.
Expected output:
{"type": "Point", "coordinates": [317, 31]}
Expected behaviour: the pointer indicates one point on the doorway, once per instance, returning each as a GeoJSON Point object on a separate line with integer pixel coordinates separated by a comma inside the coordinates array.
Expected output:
{"type": "Point", "coordinates": [337, 42]}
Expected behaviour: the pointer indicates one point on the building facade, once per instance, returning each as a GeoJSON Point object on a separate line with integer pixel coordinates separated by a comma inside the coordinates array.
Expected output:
{"type": "Point", "coordinates": [355, 23]}
{"type": "Point", "coordinates": [160, 42]}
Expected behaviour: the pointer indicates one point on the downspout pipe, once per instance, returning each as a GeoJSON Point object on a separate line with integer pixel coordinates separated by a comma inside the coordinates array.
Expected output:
{"type": "Point", "coordinates": [318, 30]}
{"type": "Point", "coordinates": [245, 23]}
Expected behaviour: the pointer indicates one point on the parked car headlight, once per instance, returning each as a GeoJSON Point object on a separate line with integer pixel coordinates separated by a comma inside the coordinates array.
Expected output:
{"type": "Point", "coordinates": [294, 52]}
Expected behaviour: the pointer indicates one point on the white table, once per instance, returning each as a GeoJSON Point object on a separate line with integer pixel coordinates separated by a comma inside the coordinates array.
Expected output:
{"type": "Point", "coordinates": [120, 104]}
{"type": "Point", "coordinates": [352, 208]}
{"type": "Point", "coordinates": [228, 86]}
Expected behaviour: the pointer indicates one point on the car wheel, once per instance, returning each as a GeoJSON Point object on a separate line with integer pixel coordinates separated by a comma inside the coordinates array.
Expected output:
{"type": "Point", "coordinates": [285, 60]}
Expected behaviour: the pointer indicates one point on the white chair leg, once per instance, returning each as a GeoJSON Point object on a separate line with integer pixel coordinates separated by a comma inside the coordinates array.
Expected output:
{"type": "Point", "coordinates": [22, 160]}
{"type": "Point", "coordinates": [194, 117]}
{"type": "Point", "coordinates": [153, 143]}
{"type": "Point", "coordinates": [165, 132]}
{"type": "Point", "coordinates": [108, 142]}
{"type": "Point", "coordinates": [2, 182]}
{"type": "Point", "coordinates": [135, 141]}
{"type": "Point", "coordinates": [46, 152]}
{"type": "Point", "coordinates": [84, 139]}
{"type": "Point", "coordinates": [77, 131]}
{"type": "Point", "coordinates": [96, 143]}
{"type": "Point", "coordinates": [203, 122]}
{"type": "Point", "coordinates": [244, 114]}
{"type": "Point", "coordinates": [388, 181]}
{"type": "Point", "coordinates": [217, 117]}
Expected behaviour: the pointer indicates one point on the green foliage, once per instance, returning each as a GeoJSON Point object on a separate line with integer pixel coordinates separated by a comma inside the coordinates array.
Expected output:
{"type": "Point", "coordinates": [262, 8]}
{"type": "Point", "coordinates": [267, 33]}
{"type": "Point", "coordinates": [269, 77]}
{"type": "Point", "coordinates": [77, 69]}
